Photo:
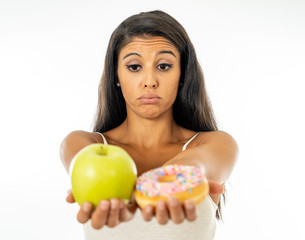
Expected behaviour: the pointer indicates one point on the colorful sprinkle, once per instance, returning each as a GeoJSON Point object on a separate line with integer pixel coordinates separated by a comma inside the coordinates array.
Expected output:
{"type": "Point", "coordinates": [187, 177]}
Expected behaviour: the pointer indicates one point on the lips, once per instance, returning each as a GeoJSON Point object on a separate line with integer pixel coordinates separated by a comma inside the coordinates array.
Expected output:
{"type": "Point", "coordinates": [149, 99]}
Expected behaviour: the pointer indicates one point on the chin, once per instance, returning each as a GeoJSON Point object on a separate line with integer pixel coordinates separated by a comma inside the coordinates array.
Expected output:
{"type": "Point", "coordinates": [150, 116]}
{"type": "Point", "coordinates": [150, 113]}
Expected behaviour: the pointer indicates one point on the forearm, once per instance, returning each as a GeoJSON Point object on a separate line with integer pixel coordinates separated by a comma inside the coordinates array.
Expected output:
{"type": "Point", "coordinates": [217, 158]}
{"type": "Point", "coordinates": [186, 158]}
{"type": "Point", "coordinates": [185, 161]}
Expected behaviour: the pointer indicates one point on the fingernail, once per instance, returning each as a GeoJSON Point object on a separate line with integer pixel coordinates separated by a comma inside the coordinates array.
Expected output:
{"type": "Point", "coordinates": [161, 205]}
{"type": "Point", "coordinates": [148, 209]}
{"type": "Point", "coordinates": [104, 205]}
{"type": "Point", "coordinates": [86, 207]}
{"type": "Point", "coordinates": [173, 201]}
{"type": "Point", "coordinates": [189, 204]}
{"type": "Point", "coordinates": [114, 204]}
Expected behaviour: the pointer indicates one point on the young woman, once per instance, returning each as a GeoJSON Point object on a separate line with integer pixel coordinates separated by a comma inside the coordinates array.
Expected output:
{"type": "Point", "coordinates": [153, 104]}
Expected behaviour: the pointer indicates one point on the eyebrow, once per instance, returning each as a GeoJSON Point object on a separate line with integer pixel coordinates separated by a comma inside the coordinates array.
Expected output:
{"type": "Point", "coordinates": [129, 54]}
{"type": "Point", "coordinates": [160, 52]}
{"type": "Point", "coordinates": [169, 52]}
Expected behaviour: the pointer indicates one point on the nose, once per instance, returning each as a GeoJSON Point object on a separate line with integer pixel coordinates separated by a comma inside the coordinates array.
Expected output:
{"type": "Point", "coordinates": [150, 80]}
{"type": "Point", "coordinates": [150, 85]}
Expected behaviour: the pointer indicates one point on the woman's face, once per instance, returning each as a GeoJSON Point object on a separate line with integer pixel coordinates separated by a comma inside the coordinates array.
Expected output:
{"type": "Point", "coordinates": [149, 73]}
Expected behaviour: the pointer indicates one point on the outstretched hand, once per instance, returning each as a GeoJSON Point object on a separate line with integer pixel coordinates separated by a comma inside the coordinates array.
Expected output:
{"type": "Point", "coordinates": [174, 210]}
{"type": "Point", "coordinates": [108, 212]}
{"type": "Point", "coordinates": [112, 212]}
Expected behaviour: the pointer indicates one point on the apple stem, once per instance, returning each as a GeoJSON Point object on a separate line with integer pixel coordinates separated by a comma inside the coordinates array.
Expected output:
{"type": "Point", "coordinates": [103, 150]}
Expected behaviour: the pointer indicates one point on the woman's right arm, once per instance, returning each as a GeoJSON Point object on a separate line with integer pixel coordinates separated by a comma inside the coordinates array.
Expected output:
{"type": "Point", "coordinates": [74, 142]}
{"type": "Point", "coordinates": [108, 212]}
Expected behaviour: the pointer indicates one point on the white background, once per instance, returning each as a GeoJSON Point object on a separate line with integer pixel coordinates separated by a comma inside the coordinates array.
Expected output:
{"type": "Point", "coordinates": [51, 60]}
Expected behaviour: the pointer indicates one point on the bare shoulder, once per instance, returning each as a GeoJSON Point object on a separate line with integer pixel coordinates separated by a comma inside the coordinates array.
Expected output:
{"type": "Point", "coordinates": [74, 142]}
{"type": "Point", "coordinates": [216, 137]}
{"type": "Point", "coordinates": [79, 135]}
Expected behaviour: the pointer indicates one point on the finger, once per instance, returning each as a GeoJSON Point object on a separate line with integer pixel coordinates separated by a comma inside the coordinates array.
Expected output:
{"type": "Point", "coordinates": [175, 210]}
{"type": "Point", "coordinates": [132, 206]}
{"type": "Point", "coordinates": [161, 212]}
{"type": "Point", "coordinates": [84, 212]}
{"type": "Point", "coordinates": [148, 213]}
{"type": "Point", "coordinates": [70, 198]}
{"type": "Point", "coordinates": [215, 188]}
{"type": "Point", "coordinates": [113, 217]}
{"type": "Point", "coordinates": [190, 210]}
{"type": "Point", "coordinates": [133, 199]}
{"type": "Point", "coordinates": [127, 211]}
{"type": "Point", "coordinates": [99, 216]}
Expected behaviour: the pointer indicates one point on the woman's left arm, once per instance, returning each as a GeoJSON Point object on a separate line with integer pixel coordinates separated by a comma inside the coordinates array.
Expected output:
{"type": "Point", "coordinates": [217, 153]}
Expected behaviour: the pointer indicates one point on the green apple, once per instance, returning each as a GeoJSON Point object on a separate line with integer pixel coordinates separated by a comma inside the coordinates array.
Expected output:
{"type": "Point", "coordinates": [102, 172]}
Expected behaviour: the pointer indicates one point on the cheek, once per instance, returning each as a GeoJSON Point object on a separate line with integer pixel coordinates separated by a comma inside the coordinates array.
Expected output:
{"type": "Point", "coordinates": [172, 84]}
{"type": "Point", "coordinates": [128, 92]}
{"type": "Point", "coordinates": [125, 91]}
{"type": "Point", "coordinates": [126, 82]}
{"type": "Point", "coordinates": [173, 93]}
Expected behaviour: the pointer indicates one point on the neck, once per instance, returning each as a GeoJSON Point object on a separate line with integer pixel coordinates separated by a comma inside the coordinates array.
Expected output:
{"type": "Point", "coordinates": [149, 133]}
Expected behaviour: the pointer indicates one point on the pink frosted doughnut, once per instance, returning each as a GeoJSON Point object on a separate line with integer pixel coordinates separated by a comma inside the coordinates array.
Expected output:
{"type": "Point", "coordinates": [181, 181]}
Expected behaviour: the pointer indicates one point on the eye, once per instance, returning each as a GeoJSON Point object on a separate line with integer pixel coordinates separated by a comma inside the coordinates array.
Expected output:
{"type": "Point", "coordinates": [165, 66]}
{"type": "Point", "coordinates": [133, 67]}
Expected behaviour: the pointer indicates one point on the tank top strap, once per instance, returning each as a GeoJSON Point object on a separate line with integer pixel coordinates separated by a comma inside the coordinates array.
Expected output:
{"type": "Point", "coordinates": [104, 139]}
{"type": "Point", "coordinates": [187, 143]}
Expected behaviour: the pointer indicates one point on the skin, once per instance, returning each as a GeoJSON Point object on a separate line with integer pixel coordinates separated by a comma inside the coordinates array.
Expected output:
{"type": "Point", "coordinates": [152, 66]}
{"type": "Point", "coordinates": [148, 70]}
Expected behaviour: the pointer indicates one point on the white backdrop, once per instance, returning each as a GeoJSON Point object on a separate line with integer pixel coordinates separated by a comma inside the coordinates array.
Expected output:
{"type": "Point", "coordinates": [51, 60]}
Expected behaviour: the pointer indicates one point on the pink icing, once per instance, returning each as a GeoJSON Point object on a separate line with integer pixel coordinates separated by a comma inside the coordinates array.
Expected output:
{"type": "Point", "coordinates": [187, 177]}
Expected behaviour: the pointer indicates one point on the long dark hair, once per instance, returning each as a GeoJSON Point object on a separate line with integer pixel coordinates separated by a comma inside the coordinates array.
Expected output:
{"type": "Point", "coordinates": [192, 108]}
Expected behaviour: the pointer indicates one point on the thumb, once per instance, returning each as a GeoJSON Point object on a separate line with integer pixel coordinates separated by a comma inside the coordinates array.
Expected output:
{"type": "Point", "coordinates": [70, 198]}
{"type": "Point", "coordinates": [132, 204]}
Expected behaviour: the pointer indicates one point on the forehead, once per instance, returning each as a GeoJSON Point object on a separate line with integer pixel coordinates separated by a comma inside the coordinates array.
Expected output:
{"type": "Point", "coordinates": [150, 43]}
